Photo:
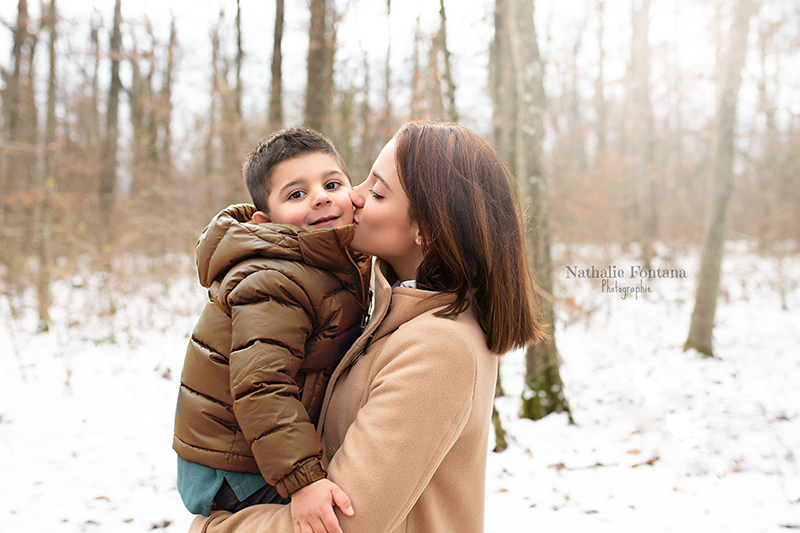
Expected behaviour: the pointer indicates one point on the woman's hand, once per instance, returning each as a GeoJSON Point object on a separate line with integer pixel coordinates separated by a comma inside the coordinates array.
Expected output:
{"type": "Point", "coordinates": [312, 507]}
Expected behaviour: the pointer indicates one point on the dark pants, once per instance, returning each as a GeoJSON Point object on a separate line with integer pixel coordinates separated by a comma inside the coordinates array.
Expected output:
{"type": "Point", "coordinates": [226, 499]}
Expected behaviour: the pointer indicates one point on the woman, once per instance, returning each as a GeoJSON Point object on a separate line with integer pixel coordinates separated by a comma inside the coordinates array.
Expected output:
{"type": "Point", "coordinates": [405, 421]}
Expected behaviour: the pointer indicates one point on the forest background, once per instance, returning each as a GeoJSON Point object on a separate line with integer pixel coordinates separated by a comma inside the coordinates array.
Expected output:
{"type": "Point", "coordinates": [657, 125]}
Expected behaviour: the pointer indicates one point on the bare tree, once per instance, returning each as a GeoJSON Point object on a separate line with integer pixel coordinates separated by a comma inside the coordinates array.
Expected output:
{"type": "Point", "coordinates": [502, 85]}
{"type": "Point", "coordinates": [543, 389]}
{"type": "Point", "coordinates": [165, 98]}
{"type": "Point", "coordinates": [366, 133]}
{"type": "Point", "coordinates": [417, 103]}
{"type": "Point", "coordinates": [386, 119]}
{"type": "Point", "coordinates": [452, 111]}
{"type": "Point", "coordinates": [49, 183]}
{"type": "Point", "coordinates": [90, 116]}
{"type": "Point", "coordinates": [223, 144]}
{"type": "Point", "coordinates": [18, 175]}
{"type": "Point", "coordinates": [576, 141]}
{"type": "Point", "coordinates": [276, 84]}
{"type": "Point", "coordinates": [433, 82]}
{"type": "Point", "coordinates": [232, 130]}
{"type": "Point", "coordinates": [237, 105]}
{"type": "Point", "coordinates": [318, 95]}
{"type": "Point", "coordinates": [720, 184]}
{"type": "Point", "coordinates": [108, 180]}
{"type": "Point", "coordinates": [142, 112]}
{"type": "Point", "coordinates": [218, 76]}
{"type": "Point", "coordinates": [642, 129]}
{"type": "Point", "coordinates": [599, 84]}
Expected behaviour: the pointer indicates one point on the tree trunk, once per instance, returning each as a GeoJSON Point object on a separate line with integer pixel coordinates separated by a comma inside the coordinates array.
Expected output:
{"type": "Point", "coordinates": [18, 178]}
{"type": "Point", "coordinates": [49, 183]}
{"type": "Point", "coordinates": [237, 105]}
{"type": "Point", "coordinates": [151, 105]}
{"type": "Point", "coordinates": [417, 87]}
{"type": "Point", "coordinates": [502, 89]}
{"type": "Point", "coordinates": [500, 442]}
{"type": "Point", "coordinates": [317, 96]}
{"type": "Point", "coordinates": [165, 101]}
{"type": "Point", "coordinates": [720, 186]}
{"type": "Point", "coordinates": [137, 96]}
{"type": "Point", "coordinates": [452, 111]}
{"type": "Point", "coordinates": [599, 85]}
{"type": "Point", "coordinates": [642, 130]}
{"type": "Point", "coordinates": [331, 26]}
{"type": "Point", "coordinates": [576, 145]}
{"type": "Point", "coordinates": [109, 178]}
{"type": "Point", "coordinates": [502, 86]}
{"type": "Point", "coordinates": [276, 85]}
{"type": "Point", "coordinates": [543, 390]}
{"type": "Point", "coordinates": [213, 194]}
{"type": "Point", "coordinates": [434, 84]}
{"type": "Point", "coordinates": [386, 119]}
{"type": "Point", "coordinates": [231, 122]}
{"type": "Point", "coordinates": [369, 137]}
{"type": "Point", "coordinates": [93, 121]}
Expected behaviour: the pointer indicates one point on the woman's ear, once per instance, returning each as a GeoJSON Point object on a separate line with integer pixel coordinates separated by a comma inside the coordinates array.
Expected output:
{"type": "Point", "coordinates": [260, 217]}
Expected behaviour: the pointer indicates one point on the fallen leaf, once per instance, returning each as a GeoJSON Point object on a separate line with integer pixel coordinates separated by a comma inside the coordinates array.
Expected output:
{"type": "Point", "coordinates": [650, 462]}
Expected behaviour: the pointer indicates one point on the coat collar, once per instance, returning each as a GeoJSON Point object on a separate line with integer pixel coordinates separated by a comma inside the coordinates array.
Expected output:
{"type": "Point", "coordinates": [390, 309]}
{"type": "Point", "coordinates": [232, 237]}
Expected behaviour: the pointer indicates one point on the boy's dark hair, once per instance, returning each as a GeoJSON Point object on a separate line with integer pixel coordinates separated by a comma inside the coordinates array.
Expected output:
{"type": "Point", "coordinates": [281, 146]}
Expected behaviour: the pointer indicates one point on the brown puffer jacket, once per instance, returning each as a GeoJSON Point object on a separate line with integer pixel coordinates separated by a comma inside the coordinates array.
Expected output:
{"type": "Point", "coordinates": [285, 305]}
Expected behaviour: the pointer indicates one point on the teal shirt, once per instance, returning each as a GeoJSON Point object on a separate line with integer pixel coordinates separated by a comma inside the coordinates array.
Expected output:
{"type": "Point", "coordinates": [198, 484]}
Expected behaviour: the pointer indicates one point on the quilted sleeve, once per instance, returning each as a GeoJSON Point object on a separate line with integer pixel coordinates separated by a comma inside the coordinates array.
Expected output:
{"type": "Point", "coordinates": [271, 320]}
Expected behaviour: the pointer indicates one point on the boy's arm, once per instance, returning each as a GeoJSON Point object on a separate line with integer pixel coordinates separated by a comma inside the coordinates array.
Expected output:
{"type": "Point", "coordinates": [270, 326]}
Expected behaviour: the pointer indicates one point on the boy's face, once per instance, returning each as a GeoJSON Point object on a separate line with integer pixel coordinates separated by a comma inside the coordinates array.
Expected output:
{"type": "Point", "coordinates": [310, 191]}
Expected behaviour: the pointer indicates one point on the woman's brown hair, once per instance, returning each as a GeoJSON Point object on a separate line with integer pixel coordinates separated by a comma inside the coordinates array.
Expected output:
{"type": "Point", "coordinates": [464, 201]}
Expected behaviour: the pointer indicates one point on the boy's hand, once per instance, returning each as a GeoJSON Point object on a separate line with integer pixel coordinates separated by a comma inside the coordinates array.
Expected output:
{"type": "Point", "coordinates": [312, 507]}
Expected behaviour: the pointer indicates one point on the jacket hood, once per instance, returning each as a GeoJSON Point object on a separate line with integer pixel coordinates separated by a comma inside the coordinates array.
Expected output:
{"type": "Point", "coordinates": [232, 237]}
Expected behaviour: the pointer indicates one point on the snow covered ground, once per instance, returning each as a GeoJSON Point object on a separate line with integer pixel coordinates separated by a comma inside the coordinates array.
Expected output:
{"type": "Point", "coordinates": [663, 440]}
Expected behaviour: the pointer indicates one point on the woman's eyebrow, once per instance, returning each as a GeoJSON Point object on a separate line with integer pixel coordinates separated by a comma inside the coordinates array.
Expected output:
{"type": "Point", "coordinates": [381, 180]}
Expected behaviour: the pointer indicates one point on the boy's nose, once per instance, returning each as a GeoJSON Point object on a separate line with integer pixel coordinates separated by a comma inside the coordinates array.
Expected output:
{"type": "Point", "coordinates": [323, 198]}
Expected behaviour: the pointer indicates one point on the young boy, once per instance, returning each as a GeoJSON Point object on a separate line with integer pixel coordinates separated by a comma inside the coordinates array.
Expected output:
{"type": "Point", "coordinates": [286, 299]}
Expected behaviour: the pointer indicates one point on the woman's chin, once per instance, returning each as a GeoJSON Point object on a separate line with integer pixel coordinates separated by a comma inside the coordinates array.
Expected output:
{"type": "Point", "coordinates": [356, 248]}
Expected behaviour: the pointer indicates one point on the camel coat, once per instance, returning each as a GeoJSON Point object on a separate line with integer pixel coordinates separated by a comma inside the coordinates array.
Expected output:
{"type": "Point", "coordinates": [404, 424]}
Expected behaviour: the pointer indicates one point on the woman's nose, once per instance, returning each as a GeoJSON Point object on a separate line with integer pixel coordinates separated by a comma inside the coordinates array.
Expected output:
{"type": "Point", "coordinates": [356, 197]}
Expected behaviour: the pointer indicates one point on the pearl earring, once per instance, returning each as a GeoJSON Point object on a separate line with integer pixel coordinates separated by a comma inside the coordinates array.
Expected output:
{"type": "Point", "coordinates": [418, 240]}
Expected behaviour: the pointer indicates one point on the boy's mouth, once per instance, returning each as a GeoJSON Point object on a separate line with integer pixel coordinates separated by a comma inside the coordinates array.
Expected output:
{"type": "Point", "coordinates": [323, 220]}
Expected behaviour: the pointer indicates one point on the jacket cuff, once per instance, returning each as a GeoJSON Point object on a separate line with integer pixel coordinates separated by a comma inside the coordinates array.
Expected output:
{"type": "Point", "coordinates": [306, 473]}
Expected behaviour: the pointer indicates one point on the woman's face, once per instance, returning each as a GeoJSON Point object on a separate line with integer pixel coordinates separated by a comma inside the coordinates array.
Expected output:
{"type": "Point", "coordinates": [382, 225]}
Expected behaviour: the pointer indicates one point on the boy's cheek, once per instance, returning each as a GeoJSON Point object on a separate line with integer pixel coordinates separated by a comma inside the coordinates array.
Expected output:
{"type": "Point", "coordinates": [347, 217]}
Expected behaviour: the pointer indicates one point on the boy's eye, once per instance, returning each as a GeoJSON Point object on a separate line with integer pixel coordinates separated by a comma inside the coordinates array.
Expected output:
{"type": "Point", "coordinates": [332, 185]}
{"type": "Point", "coordinates": [296, 195]}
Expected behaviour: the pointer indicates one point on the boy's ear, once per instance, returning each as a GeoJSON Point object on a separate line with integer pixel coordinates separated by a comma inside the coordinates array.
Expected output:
{"type": "Point", "coordinates": [260, 217]}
